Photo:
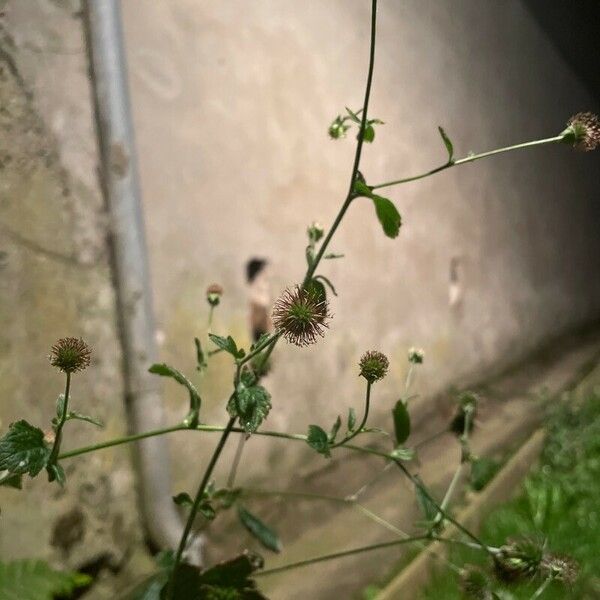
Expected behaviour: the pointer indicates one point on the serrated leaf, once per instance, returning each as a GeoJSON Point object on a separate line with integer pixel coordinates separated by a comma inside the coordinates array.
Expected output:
{"type": "Point", "coordinates": [401, 422]}
{"type": "Point", "coordinates": [227, 344]}
{"type": "Point", "coordinates": [79, 417]}
{"type": "Point", "coordinates": [425, 504]}
{"type": "Point", "coordinates": [183, 499]}
{"type": "Point", "coordinates": [263, 533]}
{"type": "Point", "coordinates": [7, 479]}
{"type": "Point", "coordinates": [23, 450]}
{"type": "Point", "coordinates": [351, 419]}
{"type": "Point", "coordinates": [388, 215]}
{"type": "Point", "coordinates": [251, 405]}
{"type": "Point", "coordinates": [334, 430]}
{"type": "Point", "coordinates": [36, 580]}
{"type": "Point", "coordinates": [448, 144]}
{"type": "Point", "coordinates": [318, 440]}
{"type": "Point", "coordinates": [165, 370]}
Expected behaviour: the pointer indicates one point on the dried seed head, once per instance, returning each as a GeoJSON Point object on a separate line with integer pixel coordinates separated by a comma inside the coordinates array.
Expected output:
{"type": "Point", "coordinates": [70, 355]}
{"type": "Point", "coordinates": [373, 366]}
{"type": "Point", "coordinates": [560, 567]}
{"type": "Point", "coordinates": [416, 355]}
{"type": "Point", "coordinates": [475, 584]}
{"type": "Point", "coordinates": [213, 294]}
{"type": "Point", "coordinates": [520, 559]}
{"type": "Point", "coordinates": [583, 131]}
{"type": "Point", "coordinates": [301, 315]}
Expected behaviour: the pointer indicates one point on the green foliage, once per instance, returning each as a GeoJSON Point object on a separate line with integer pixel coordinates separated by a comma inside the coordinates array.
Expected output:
{"type": "Point", "coordinates": [74, 415]}
{"type": "Point", "coordinates": [36, 580]}
{"type": "Point", "coordinates": [448, 144]}
{"type": "Point", "coordinates": [428, 508]}
{"type": "Point", "coordinates": [388, 215]}
{"type": "Point", "coordinates": [262, 532]}
{"type": "Point", "coordinates": [351, 423]}
{"type": "Point", "coordinates": [483, 470]}
{"type": "Point", "coordinates": [228, 345]}
{"type": "Point", "coordinates": [318, 440]}
{"type": "Point", "coordinates": [200, 356]}
{"type": "Point", "coordinates": [334, 429]}
{"type": "Point", "coordinates": [23, 450]}
{"type": "Point", "coordinates": [195, 401]}
{"type": "Point", "coordinates": [401, 422]}
{"type": "Point", "coordinates": [250, 404]}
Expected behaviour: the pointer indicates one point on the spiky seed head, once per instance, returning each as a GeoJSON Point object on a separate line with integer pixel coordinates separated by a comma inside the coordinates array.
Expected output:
{"type": "Point", "coordinates": [416, 355]}
{"type": "Point", "coordinates": [467, 404]}
{"type": "Point", "coordinates": [213, 294]}
{"type": "Point", "coordinates": [475, 584]}
{"type": "Point", "coordinates": [301, 315]}
{"type": "Point", "coordinates": [520, 559]}
{"type": "Point", "coordinates": [583, 131]}
{"type": "Point", "coordinates": [561, 567]}
{"type": "Point", "coordinates": [70, 355]}
{"type": "Point", "coordinates": [373, 366]}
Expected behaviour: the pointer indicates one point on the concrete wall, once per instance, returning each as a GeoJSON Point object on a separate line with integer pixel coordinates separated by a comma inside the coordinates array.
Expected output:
{"type": "Point", "coordinates": [232, 101]}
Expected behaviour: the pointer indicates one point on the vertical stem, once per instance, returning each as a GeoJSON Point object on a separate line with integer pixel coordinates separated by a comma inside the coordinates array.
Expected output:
{"type": "Point", "coordinates": [363, 422]}
{"type": "Point", "coordinates": [61, 423]}
{"type": "Point", "coordinates": [196, 506]}
{"type": "Point", "coordinates": [542, 588]}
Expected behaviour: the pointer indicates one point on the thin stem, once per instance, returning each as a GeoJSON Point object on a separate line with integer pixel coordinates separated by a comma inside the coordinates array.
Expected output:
{"type": "Point", "coordinates": [355, 167]}
{"type": "Point", "coordinates": [542, 588]}
{"type": "Point", "coordinates": [271, 340]}
{"type": "Point", "coordinates": [470, 158]}
{"type": "Point", "coordinates": [195, 507]}
{"type": "Point", "coordinates": [325, 557]}
{"type": "Point", "coordinates": [61, 423]}
{"type": "Point", "coordinates": [430, 439]}
{"type": "Point", "coordinates": [363, 422]}
{"type": "Point", "coordinates": [236, 461]}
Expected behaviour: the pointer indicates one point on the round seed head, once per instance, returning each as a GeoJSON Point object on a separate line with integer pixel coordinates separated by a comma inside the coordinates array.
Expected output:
{"type": "Point", "coordinates": [475, 584]}
{"type": "Point", "coordinates": [373, 366]}
{"type": "Point", "coordinates": [583, 131]}
{"type": "Point", "coordinates": [560, 567]}
{"type": "Point", "coordinates": [70, 355]}
{"type": "Point", "coordinates": [301, 315]}
{"type": "Point", "coordinates": [520, 559]}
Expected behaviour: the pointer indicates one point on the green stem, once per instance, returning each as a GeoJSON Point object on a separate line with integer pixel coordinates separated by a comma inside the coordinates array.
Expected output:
{"type": "Point", "coordinates": [355, 167]}
{"type": "Point", "coordinates": [195, 507]}
{"type": "Point", "coordinates": [363, 422]}
{"type": "Point", "coordinates": [325, 557]}
{"type": "Point", "coordinates": [61, 423]}
{"type": "Point", "coordinates": [542, 588]}
{"type": "Point", "coordinates": [271, 340]}
{"type": "Point", "coordinates": [470, 158]}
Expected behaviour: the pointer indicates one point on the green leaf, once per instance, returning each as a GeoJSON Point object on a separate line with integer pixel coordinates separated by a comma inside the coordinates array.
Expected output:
{"type": "Point", "coordinates": [354, 115]}
{"type": "Point", "coordinates": [251, 405]}
{"type": "Point", "coordinates": [401, 422]}
{"type": "Point", "coordinates": [318, 440]}
{"type": "Point", "coordinates": [332, 255]}
{"type": "Point", "coordinates": [10, 480]}
{"type": "Point", "coordinates": [448, 144]}
{"type": "Point", "coordinates": [360, 188]}
{"type": "Point", "coordinates": [195, 401]}
{"type": "Point", "coordinates": [23, 450]}
{"type": "Point", "coordinates": [60, 405]}
{"type": "Point", "coordinates": [483, 470]}
{"type": "Point", "coordinates": [56, 473]}
{"type": "Point", "coordinates": [228, 344]}
{"type": "Point", "coordinates": [79, 417]}
{"type": "Point", "coordinates": [200, 358]}
{"type": "Point", "coordinates": [183, 499]}
{"type": "Point", "coordinates": [231, 579]}
{"type": "Point", "coordinates": [351, 419]}
{"type": "Point", "coordinates": [388, 215]}
{"type": "Point", "coordinates": [334, 430]}
{"type": "Point", "coordinates": [369, 134]}
{"type": "Point", "coordinates": [425, 504]}
{"type": "Point", "coordinates": [329, 284]}
{"type": "Point", "coordinates": [36, 580]}
{"type": "Point", "coordinates": [317, 288]}
{"type": "Point", "coordinates": [226, 497]}
{"type": "Point", "coordinates": [207, 511]}
{"type": "Point", "coordinates": [264, 534]}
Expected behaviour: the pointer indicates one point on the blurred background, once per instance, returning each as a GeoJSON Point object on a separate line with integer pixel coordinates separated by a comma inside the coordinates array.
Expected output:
{"type": "Point", "coordinates": [230, 105]}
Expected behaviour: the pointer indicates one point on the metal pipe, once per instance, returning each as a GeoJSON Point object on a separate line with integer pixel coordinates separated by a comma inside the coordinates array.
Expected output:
{"type": "Point", "coordinates": [119, 179]}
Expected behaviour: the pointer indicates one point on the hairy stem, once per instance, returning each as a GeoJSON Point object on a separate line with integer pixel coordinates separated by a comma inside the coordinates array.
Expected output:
{"type": "Point", "coordinates": [195, 507]}
{"type": "Point", "coordinates": [61, 423]}
{"type": "Point", "coordinates": [363, 422]}
{"type": "Point", "coordinates": [468, 159]}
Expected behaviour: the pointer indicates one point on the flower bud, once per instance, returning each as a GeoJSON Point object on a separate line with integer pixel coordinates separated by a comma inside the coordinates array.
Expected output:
{"type": "Point", "coordinates": [338, 128]}
{"type": "Point", "coordinates": [213, 294]}
{"type": "Point", "coordinates": [315, 232]}
{"type": "Point", "coordinates": [373, 366]}
{"type": "Point", "coordinates": [416, 356]}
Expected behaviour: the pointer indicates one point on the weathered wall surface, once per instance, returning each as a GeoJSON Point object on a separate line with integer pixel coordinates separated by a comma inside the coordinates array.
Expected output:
{"type": "Point", "coordinates": [55, 282]}
{"type": "Point", "coordinates": [232, 102]}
